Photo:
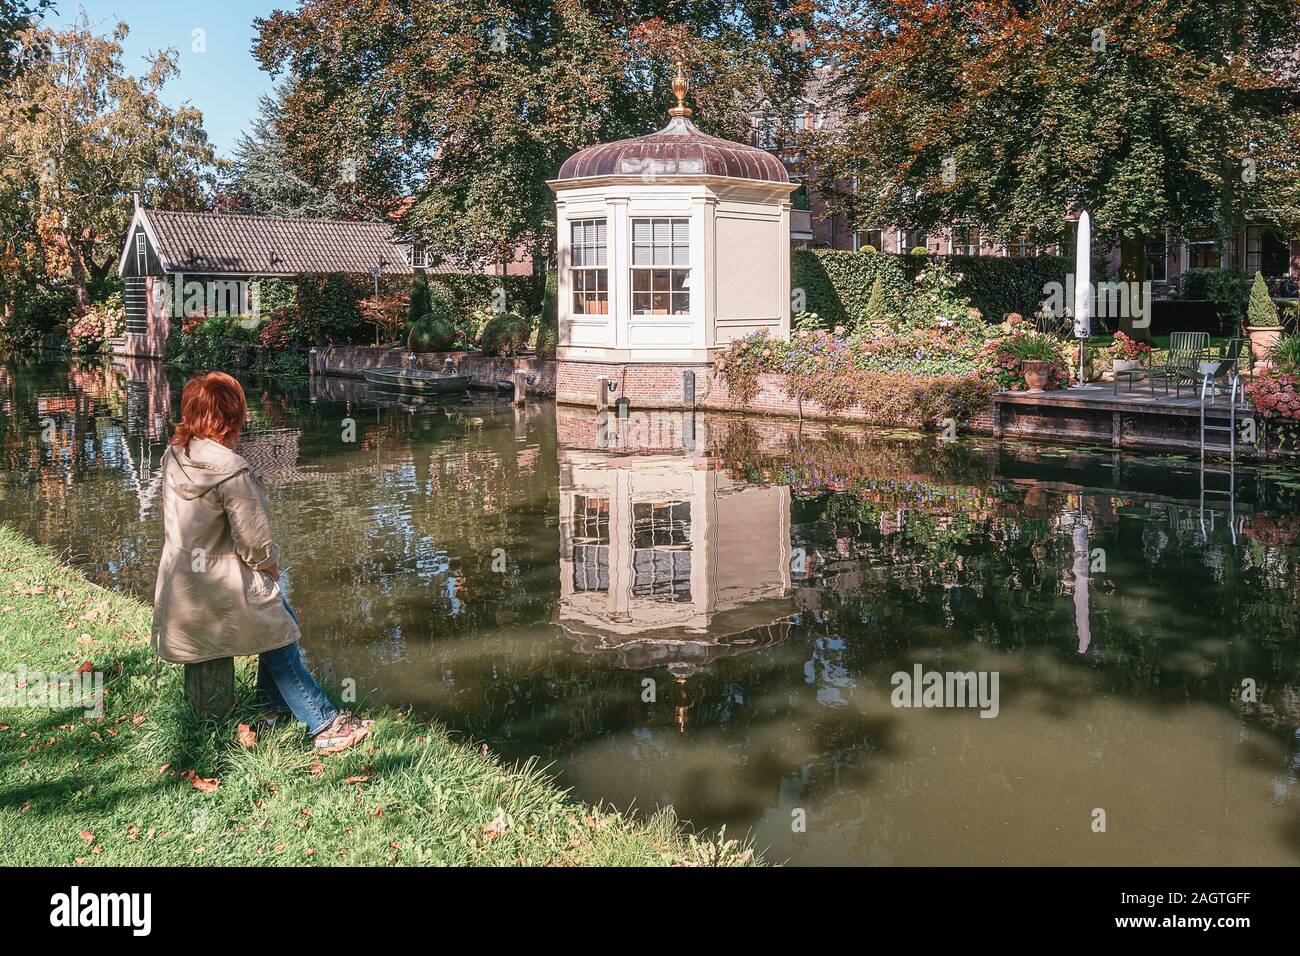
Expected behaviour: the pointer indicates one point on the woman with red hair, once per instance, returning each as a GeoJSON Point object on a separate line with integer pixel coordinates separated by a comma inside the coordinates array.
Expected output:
{"type": "Point", "coordinates": [218, 591]}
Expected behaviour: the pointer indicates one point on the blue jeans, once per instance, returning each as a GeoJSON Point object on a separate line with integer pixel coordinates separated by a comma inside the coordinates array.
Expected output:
{"type": "Point", "coordinates": [284, 683]}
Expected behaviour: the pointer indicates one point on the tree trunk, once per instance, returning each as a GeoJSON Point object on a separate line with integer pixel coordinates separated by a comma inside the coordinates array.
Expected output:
{"type": "Point", "coordinates": [1133, 271]}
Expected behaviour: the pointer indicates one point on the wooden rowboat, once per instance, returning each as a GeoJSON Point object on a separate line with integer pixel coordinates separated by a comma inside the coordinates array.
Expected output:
{"type": "Point", "coordinates": [414, 380]}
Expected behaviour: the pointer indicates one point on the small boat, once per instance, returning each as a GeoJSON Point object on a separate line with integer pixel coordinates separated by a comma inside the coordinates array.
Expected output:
{"type": "Point", "coordinates": [414, 380]}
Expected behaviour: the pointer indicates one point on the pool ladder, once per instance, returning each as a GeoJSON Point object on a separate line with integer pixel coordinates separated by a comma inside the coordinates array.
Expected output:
{"type": "Point", "coordinates": [1208, 394]}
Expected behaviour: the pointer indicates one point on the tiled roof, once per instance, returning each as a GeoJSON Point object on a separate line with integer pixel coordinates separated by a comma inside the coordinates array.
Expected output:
{"type": "Point", "coordinates": [679, 149]}
{"type": "Point", "coordinates": [214, 243]}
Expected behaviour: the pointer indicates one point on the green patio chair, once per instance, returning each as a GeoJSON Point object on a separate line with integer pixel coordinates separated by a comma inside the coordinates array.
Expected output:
{"type": "Point", "coordinates": [1221, 365]}
{"type": "Point", "coordinates": [1186, 351]}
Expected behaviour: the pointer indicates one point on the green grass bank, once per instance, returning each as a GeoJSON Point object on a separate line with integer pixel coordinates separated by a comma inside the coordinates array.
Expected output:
{"type": "Point", "coordinates": [146, 783]}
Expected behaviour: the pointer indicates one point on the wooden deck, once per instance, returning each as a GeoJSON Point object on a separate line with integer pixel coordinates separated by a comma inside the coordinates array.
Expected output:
{"type": "Point", "coordinates": [1129, 418]}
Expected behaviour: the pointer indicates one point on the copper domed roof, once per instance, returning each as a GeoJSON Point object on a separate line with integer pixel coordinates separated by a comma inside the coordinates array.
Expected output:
{"type": "Point", "coordinates": [679, 149]}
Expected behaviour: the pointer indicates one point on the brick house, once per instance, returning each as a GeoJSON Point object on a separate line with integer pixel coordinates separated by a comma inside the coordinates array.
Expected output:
{"type": "Point", "coordinates": [1259, 247]}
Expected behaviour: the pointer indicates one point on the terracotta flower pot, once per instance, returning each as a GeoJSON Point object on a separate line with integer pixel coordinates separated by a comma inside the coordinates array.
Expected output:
{"type": "Point", "coordinates": [1035, 372]}
{"type": "Point", "coordinates": [1263, 339]}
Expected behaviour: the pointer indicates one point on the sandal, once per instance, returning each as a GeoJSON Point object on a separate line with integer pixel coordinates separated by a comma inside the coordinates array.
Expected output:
{"type": "Point", "coordinates": [344, 731]}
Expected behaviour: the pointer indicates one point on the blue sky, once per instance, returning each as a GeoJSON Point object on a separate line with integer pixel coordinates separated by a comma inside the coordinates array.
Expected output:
{"type": "Point", "coordinates": [224, 82]}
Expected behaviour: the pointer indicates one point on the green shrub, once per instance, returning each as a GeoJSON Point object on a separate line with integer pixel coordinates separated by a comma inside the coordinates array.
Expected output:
{"type": "Point", "coordinates": [1226, 288]}
{"type": "Point", "coordinates": [838, 285]}
{"type": "Point", "coordinates": [919, 251]}
{"type": "Point", "coordinates": [419, 305]}
{"type": "Point", "coordinates": [1262, 311]}
{"type": "Point", "coordinates": [877, 313]}
{"type": "Point", "coordinates": [506, 333]}
{"type": "Point", "coordinates": [548, 325]}
{"type": "Point", "coordinates": [1287, 352]}
{"type": "Point", "coordinates": [429, 333]}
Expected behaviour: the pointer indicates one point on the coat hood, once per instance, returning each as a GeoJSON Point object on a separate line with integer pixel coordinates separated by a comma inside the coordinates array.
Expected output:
{"type": "Point", "coordinates": [202, 466]}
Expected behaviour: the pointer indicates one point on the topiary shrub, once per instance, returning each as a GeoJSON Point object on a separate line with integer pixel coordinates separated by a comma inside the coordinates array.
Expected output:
{"type": "Point", "coordinates": [919, 251]}
{"type": "Point", "coordinates": [429, 333]}
{"type": "Point", "coordinates": [505, 334]}
{"type": "Point", "coordinates": [877, 313]}
{"type": "Point", "coordinates": [420, 304]}
{"type": "Point", "coordinates": [1262, 311]}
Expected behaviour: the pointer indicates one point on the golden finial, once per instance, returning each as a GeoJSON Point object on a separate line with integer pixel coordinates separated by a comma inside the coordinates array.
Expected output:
{"type": "Point", "coordinates": [679, 87]}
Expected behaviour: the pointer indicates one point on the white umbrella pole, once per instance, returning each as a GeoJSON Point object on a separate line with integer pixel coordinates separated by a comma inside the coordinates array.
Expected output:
{"type": "Point", "coordinates": [1083, 291]}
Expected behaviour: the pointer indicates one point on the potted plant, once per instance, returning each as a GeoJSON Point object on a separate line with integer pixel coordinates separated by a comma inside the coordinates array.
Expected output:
{"type": "Point", "coordinates": [1126, 353]}
{"type": "Point", "coordinates": [1263, 324]}
{"type": "Point", "coordinates": [1037, 353]}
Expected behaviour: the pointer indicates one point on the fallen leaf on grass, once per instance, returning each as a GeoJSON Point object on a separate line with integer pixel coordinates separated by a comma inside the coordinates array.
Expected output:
{"type": "Point", "coordinates": [360, 778]}
{"type": "Point", "coordinates": [85, 639]}
{"type": "Point", "coordinates": [85, 668]}
{"type": "Point", "coordinates": [316, 768]}
{"type": "Point", "coordinates": [199, 783]}
{"type": "Point", "coordinates": [137, 719]}
{"type": "Point", "coordinates": [87, 836]}
{"type": "Point", "coordinates": [496, 827]}
{"type": "Point", "coordinates": [246, 735]}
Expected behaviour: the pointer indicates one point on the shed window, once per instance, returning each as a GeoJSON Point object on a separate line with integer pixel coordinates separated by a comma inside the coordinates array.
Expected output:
{"type": "Point", "coordinates": [141, 257]}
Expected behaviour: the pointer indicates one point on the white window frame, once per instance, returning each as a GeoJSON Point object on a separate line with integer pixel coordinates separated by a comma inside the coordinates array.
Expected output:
{"type": "Point", "coordinates": [589, 279]}
{"type": "Point", "coordinates": [675, 265]}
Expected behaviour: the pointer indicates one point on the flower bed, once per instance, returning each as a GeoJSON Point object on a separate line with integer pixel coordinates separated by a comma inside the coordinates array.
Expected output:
{"type": "Point", "coordinates": [911, 378]}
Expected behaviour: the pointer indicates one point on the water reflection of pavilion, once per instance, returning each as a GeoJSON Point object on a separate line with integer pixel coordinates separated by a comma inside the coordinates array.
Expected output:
{"type": "Point", "coordinates": [664, 560]}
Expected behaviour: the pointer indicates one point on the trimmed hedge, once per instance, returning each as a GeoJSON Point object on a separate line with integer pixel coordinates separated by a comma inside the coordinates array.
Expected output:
{"type": "Point", "coordinates": [838, 284]}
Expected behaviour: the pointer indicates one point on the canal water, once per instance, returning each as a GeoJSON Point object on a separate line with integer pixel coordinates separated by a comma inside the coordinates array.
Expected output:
{"type": "Point", "coordinates": [715, 612]}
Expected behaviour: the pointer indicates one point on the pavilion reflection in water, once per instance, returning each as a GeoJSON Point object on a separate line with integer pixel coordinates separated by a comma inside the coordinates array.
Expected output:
{"type": "Point", "coordinates": [664, 559]}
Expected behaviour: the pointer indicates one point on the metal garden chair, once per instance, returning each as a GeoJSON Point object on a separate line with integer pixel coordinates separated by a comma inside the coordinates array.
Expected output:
{"type": "Point", "coordinates": [1186, 351]}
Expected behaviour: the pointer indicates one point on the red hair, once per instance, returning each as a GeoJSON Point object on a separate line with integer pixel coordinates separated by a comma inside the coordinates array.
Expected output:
{"type": "Point", "coordinates": [212, 406]}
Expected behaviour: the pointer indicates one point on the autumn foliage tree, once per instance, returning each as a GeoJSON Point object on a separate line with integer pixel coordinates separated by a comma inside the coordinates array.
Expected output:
{"type": "Point", "coordinates": [471, 107]}
{"type": "Point", "coordinates": [78, 136]}
{"type": "Point", "coordinates": [1011, 114]}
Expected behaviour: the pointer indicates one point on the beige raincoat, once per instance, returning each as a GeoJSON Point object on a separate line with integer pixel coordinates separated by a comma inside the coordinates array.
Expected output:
{"type": "Point", "coordinates": [211, 599]}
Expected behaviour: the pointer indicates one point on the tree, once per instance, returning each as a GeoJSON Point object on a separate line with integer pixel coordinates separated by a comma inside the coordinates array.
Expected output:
{"type": "Point", "coordinates": [1010, 115]}
{"type": "Point", "coordinates": [79, 136]}
{"type": "Point", "coordinates": [15, 17]}
{"type": "Point", "coordinates": [471, 107]}
{"type": "Point", "coordinates": [261, 181]}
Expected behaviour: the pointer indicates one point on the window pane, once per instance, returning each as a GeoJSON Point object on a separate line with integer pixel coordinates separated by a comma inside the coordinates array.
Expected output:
{"type": "Point", "coordinates": [679, 279]}
{"type": "Point", "coordinates": [640, 280]}
{"type": "Point", "coordinates": [659, 303]}
{"type": "Point", "coordinates": [681, 232]}
{"type": "Point", "coordinates": [640, 303]}
{"type": "Point", "coordinates": [660, 280]}
{"type": "Point", "coordinates": [681, 303]}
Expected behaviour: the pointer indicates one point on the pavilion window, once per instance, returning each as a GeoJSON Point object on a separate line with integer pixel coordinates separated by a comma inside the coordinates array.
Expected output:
{"type": "Point", "coordinates": [661, 550]}
{"type": "Point", "coordinates": [661, 257]}
{"type": "Point", "coordinates": [590, 543]}
{"type": "Point", "coordinates": [589, 273]}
